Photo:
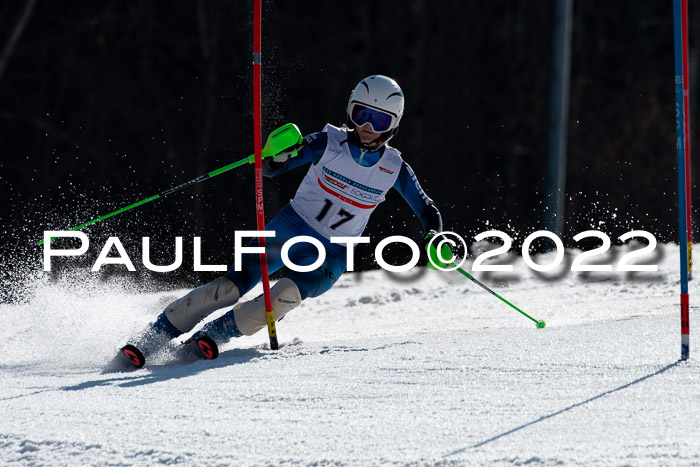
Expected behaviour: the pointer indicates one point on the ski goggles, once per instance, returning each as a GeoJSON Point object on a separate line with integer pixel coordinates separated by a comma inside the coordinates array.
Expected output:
{"type": "Point", "coordinates": [380, 120]}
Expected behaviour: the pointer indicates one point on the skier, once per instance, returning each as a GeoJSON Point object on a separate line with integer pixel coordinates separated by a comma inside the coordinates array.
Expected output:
{"type": "Point", "coordinates": [352, 169]}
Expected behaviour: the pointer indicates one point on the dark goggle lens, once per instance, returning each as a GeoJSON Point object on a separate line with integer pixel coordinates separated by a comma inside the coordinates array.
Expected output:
{"type": "Point", "coordinates": [379, 120]}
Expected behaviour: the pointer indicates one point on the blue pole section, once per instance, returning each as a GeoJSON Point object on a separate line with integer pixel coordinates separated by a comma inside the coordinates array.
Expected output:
{"type": "Point", "coordinates": [680, 155]}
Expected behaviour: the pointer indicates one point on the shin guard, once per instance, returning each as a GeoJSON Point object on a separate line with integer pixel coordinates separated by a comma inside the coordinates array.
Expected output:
{"type": "Point", "coordinates": [250, 316]}
{"type": "Point", "coordinates": [186, 312]}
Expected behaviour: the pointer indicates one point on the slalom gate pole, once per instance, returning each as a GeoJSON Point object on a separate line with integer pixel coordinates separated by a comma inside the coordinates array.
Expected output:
{"type": "Point", "coordinates": [539, 323]}
{"type": "Point", "coordinates": [257, 117]}
{"type": "Point", "coordinates": [287, 137]}
{"type": "Point", "coordinates": [686, 132]}
{"type": "Point", "coordinates": [679, 49]}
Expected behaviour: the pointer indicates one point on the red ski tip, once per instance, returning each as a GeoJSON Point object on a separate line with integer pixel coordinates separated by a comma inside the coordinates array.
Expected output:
{"type": "Point", "coordinates": [208, 347]}
{"type": "Point", "coordinates": [134, 355]}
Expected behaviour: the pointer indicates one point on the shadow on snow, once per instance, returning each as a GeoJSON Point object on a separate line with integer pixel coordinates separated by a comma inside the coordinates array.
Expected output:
{"type": "Point", "coordinates": [559, 412]}
{"type": "Point", "coordinates": [171, 370]}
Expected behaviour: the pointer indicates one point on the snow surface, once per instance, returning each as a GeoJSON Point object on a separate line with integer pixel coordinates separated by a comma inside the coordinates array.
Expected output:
{"type": "Point", "coordinates": [423, 369]}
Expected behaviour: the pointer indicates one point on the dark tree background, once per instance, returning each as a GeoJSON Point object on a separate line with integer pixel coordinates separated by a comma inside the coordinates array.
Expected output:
{"type": "Point", "coordinates": [105, 103]}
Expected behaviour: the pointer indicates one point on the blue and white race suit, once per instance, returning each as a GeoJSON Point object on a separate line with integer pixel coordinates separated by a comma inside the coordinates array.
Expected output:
{"type": "Point", "coordinates": [340, 191]}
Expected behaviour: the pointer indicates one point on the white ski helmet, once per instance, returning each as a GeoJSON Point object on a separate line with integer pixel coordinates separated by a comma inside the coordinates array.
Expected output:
{"type": "Point", "coordinates": [377, 100]}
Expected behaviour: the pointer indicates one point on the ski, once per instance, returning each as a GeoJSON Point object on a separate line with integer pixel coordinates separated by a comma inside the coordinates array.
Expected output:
{"type": "Point", "coordinates": [133, 355]}
{"type": "Point", "coordinates": [199, 345]}
{"type": "Point", "coordinates": [202, 346]}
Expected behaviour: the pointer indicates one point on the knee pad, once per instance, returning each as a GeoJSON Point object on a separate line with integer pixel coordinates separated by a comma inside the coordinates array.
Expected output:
{"type": "Point", "coordinates": [189, 310]}
{"type": "Point", "coordinates": [250, 316]}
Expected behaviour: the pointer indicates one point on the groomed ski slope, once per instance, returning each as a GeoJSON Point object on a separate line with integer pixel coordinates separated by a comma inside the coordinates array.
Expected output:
{"type": "Point", "coordinates": [429, 370]}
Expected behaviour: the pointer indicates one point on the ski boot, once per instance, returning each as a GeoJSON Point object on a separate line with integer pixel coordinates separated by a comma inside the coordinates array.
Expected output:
{"type": "Point", "coordinates": [156, 336]}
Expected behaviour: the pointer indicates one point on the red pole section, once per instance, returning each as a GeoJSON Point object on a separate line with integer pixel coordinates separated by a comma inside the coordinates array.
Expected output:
{"type": "Point", "coordinates": [678, 48]}
{"type": "Point", "coordinates": [686, 112]}
{"type": "Point", "coordinates": [257, 117]}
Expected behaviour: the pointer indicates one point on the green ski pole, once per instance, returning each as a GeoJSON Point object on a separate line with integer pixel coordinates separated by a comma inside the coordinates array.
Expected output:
{"type": "Point", "coordinates": [435, 259]}
{"type": "Point", "coordinates": [539, 323]}
{"type": "Point", "coordinates": [285, 138]}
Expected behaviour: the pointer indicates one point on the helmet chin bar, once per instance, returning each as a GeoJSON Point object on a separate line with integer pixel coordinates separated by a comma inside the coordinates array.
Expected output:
{"type": "Point", "coordinates": [374, 145]}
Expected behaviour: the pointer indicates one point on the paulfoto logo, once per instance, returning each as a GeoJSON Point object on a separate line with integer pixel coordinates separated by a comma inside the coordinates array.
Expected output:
{"type": "Point", "coordinates": [441, 257]}
{"type": "Point", "coordinates": [239, 250]}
